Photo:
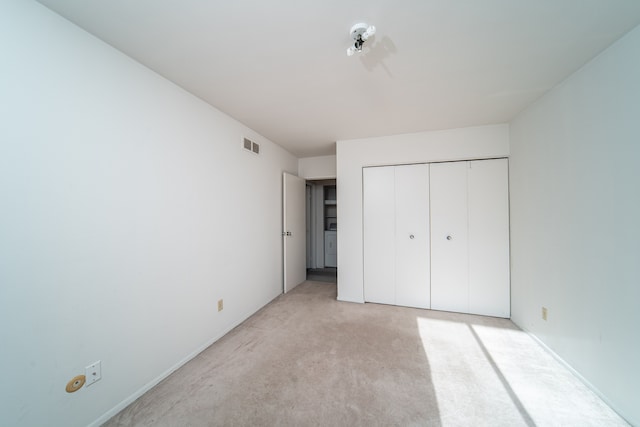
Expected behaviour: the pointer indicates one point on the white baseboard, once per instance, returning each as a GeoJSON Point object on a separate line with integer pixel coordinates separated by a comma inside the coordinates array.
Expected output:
{"type": "Point", "coordinates": [342, 299]}
{"type": "Point", "coordinates": [574, 372]}
{"type": "Point", "coordinates": [148, 386]}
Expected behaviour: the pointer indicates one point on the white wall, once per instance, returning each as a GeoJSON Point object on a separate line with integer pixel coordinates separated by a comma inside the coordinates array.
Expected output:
{"type": "Point", "coordinates": [128, 208]}
{"type": "Point", "coordinates": [353, 155]}
{"type": "Point", "coordinates": [321, 167]}
{"type": "Point", "coordinates": [575, 222]}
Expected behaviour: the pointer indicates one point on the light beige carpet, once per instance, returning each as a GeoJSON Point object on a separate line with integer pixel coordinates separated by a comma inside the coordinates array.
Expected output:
{"type": "Point", "coordinates": [308, 360]}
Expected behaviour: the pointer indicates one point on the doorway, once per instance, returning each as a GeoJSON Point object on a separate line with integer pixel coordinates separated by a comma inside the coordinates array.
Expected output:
{"type": "Point", "coordinates": [322, 230]}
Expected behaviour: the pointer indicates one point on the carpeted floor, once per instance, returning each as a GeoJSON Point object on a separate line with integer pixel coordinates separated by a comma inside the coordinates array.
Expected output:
{"type": "Point", "coordinates": [309, 360]}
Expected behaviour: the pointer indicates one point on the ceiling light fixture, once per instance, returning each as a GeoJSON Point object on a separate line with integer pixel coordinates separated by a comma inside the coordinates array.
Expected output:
{"type": "Point", "coordinates": [360, 33]}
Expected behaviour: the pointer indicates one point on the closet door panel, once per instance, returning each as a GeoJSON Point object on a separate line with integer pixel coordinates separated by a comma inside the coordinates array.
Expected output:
{"type": "Point", "coordinates": [412, 235]}
{"type": "Point", "coordinates": [489, 292]}
{"type": "Point", "coordinates": [449, 237]}
{"type": "Point", "coordinates": [379, 234]}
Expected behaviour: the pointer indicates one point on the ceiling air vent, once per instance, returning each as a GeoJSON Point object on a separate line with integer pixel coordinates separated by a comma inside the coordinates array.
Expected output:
{"type": "Point", "coordinates": [251, 146]}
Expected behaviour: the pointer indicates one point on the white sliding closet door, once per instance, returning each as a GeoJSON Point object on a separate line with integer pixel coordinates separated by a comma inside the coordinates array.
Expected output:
{"type": "Point", "coordinates": [449, 237]}
{"type": "Point", "coordinates": [470, 237]}
{"type": "Point", "coordinates": [437, 236]}
{"type": "Point", "coordinates": [379, 234]}
{"type": "Point", "coordinates": [396, 235]}
{"type": "Point", "coordinates": [489, 292]}
{"type": "Point", "coordinates": [412, 236]}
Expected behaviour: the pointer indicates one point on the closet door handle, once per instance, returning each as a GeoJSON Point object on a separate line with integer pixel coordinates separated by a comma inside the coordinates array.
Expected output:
{"type": "Point", "coordinates": [411, 236]}
{"type": "Point", "coordinates": [449, 237]}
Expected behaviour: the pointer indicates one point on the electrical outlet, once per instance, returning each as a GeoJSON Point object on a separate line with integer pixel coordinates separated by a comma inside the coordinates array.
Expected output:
{"type": "Point", "coordinates": [220, 305]}
{"type": "Point", "coordinates": [544, 313]}
{"type": "Point", "coordinates": [93, 372]}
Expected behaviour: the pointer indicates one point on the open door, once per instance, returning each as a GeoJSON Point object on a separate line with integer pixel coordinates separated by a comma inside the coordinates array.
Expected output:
{"type": "Point", "coordinates": [294, 231]}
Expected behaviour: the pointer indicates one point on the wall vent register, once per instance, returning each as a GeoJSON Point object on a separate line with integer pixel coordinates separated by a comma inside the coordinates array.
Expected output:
{"type": "Point", "coordinates": [251, 146]}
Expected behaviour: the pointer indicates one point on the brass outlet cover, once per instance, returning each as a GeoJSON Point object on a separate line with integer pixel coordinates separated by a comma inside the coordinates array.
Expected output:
{"type": "Point", "coordinates": [76, 383]}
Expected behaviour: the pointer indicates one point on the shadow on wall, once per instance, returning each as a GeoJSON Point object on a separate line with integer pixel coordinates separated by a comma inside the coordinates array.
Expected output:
{"type": "Point", "coordinates": [378, 52]}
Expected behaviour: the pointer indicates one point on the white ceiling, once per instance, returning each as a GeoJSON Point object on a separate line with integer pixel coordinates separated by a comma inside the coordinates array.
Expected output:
{"type": "Point", "coordinates": [281, 68]}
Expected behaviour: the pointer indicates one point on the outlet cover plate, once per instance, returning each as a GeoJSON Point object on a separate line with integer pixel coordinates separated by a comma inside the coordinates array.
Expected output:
{"type": "Point", "coordinates": [93, 372]}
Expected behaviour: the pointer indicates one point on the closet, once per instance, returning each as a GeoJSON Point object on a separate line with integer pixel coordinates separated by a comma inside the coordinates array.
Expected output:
{"type": "Point", "coordinates": [437, 236]}
{"type": "Point", "coordinates": [322, 224]}
{"type": "Point", "coordinates": [330, 227]}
